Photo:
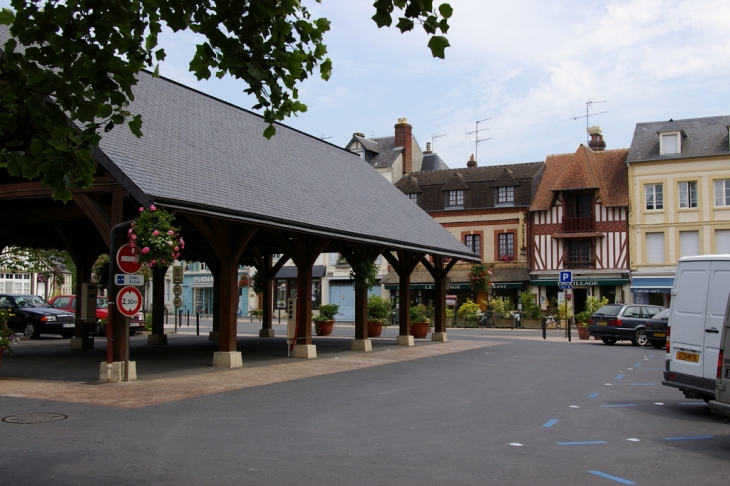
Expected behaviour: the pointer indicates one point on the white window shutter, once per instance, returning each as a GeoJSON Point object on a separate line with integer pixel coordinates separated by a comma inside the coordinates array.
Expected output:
{"type": "Point", "coordinates": [689, 243]}
{"type": "Point", "coordinates": [655, 247]}
{"type": "Point", "coordinates": [722, 241]}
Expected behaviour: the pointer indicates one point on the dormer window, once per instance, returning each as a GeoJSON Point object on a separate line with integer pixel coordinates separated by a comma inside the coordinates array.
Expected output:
{"type": "Point", "coordinates": [506, 196]}
{"type": "Point", "coordinates": [670, 143]}
{"type": "Point", "coordinates": [413, 197]}
{"type": "Point", "coordinates": [455, 199]}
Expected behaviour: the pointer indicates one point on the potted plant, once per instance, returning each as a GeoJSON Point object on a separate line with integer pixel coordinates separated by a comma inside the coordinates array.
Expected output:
{"type": "Point", "coordinates": [6, 335]}
{"type": "Point", "coordinates": [420, 325]}
{"type": "Point", "coordinates": [468, 312]}
{"type": "Point", "coordinates": [532, 315]}
{"type": "Point", "coordinates": [581, 318]}
{"type": "Point", "coordinates": [324, 322]}
{"type": "Point", "coordinates": [479, 277]}
{"type": "Point", "coordinates": [503, 308]}
{"type": "Point", "coordinates": [378, 310]}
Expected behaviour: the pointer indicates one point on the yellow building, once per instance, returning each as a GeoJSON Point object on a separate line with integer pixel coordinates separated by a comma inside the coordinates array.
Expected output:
{"type": "Point", "coordinates": [679, 192]}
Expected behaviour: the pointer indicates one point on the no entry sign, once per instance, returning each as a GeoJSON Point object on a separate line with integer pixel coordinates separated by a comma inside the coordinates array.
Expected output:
{"type": "Point", "coordinates": [129, 301]}
{"type": "Point", "coordinates": [127, 260]}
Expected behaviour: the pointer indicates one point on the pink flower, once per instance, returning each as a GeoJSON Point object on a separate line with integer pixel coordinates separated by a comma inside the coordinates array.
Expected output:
{"type": "Point", "coordinates": [155, 233]}
{"type": "Point", "coordinates": [149, 264]}
{"type": "Point", "coordinates": [141, 209]}
{"type": "Point", "coordinates": [152, 207]}
{"type": "Point", "coordinates": [129, 232]}
{"type": "Point", "coordinates": [146, 249]}
{"type": "Point", "coordinates": [133, 237]}
{"type": "Point", "coordinates": [177, 248]}
{"type": "Point", "coordinates": [163, 261]}
{"type": "Point", "coordinates": [170, 232]}
{"type": "Point", "coordinates": [152, 262]}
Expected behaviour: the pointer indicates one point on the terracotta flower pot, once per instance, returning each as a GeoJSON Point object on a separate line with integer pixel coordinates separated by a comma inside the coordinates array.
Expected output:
{"type": "Point", "coordinates": [583, 332]}
{"type": "Point", "coordinates": [419, 330]}
{"type": "Point", "coordinates": [324, 328]}
{"type": "Point", "coordinates": [374, 329]}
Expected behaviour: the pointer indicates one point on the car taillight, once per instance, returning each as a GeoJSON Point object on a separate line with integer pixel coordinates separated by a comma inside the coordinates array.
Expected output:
{"type": "Point", "coordinates": [591, 321]}
{"type": "Point", "coordinates": [618, 322]}
{"type": "Point", "coordinates": [669, 332]}
{"type": "Point", "coordinates": [719, 364]}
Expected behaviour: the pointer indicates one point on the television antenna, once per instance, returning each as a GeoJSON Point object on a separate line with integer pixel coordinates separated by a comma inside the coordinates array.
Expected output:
{"type": "Point", "coordinates": [589, 104]}
{"type": "Point", "coordinates": [477, 139]}
{"type": "Point", "coordinates": [433, 137]}
{"type": "Point", "coordinates": [324, 138]}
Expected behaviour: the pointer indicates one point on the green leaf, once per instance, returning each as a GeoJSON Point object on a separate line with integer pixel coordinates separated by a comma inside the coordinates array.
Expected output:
{"type": "Point", "coordinates": [269, 132]}
{"type": "Point", "coordinates": [160, 54]}
{"type": "Point", "coordinates": [446, 11]}
{"type": "Point", "coordinates": [135, 125]}
{"type": "Point", "coordinates": [156, 72]}
{"type": "Point", "coordinates": [7, 17]}
{"type": "Point", "coordinates": [405, 24]}
{"type": "Point", "coordinates": [438, 44]}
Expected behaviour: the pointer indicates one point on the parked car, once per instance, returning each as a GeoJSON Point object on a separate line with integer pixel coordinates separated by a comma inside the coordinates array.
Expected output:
{"type": "Point", "coordinates": [656, 329]}
{"type": "Point", "coordinates": [622, 322]}
{"type": "Point", "coordinates": [68, 303]}
{"type": "Point", "coordinates": [33, 316]}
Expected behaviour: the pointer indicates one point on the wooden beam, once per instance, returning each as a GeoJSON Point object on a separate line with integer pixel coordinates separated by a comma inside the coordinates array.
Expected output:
{"type": "Point", "coordinates": [22, 190]}
{"type": "Point", "coordinates": [96, 214]}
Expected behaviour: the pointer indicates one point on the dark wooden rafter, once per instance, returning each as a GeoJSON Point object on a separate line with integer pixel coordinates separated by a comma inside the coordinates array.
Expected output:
{"type": "Point", "coordinates": [353, 253]}
{"type": "Point", "coordinates": [403, 263]}
{"type": "Point", "coordinates": [439, 271]}
{"type": "Point", "coordinates": [303, 251]}
{"type": "Point", "coordinates": [23, 190]}
{"type": "Point", "coordinates": [96, 214]}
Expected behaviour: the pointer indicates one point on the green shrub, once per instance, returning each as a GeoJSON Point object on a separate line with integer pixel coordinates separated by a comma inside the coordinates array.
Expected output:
{"type": "Point", "coordinates": [418, 313]}
{"type": "Point", "coordinates": [529, 306]}
{"type": "Point", "coordinates": [469, 310]}
{"type": "Point", "coordinates": [327, 312]}
{"type": "Point", "coordinates": [502, 307]}
{"type": "Point", "coordinates": [378, 309]}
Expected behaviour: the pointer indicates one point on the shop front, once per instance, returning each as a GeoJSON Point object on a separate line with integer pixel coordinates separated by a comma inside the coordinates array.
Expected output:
{"type": "Point", "coordinates": [610, 287]}
{"type": "Point", "coordinates": [652, 290]}
{"type": "Point", "coordinates": [286, 283]}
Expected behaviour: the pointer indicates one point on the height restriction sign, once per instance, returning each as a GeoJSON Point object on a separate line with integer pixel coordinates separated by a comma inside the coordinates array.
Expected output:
{"type": "Point", "coordinates": [129, 301]}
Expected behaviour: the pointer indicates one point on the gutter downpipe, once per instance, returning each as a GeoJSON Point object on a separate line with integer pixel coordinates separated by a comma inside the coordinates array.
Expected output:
{"type": "Point", "coordinates": [111, 303]}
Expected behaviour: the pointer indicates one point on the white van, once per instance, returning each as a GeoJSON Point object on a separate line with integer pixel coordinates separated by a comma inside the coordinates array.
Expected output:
{"type": "Point", "coordinates": [699, 296]}
{"type": "Point", "coordinates": [721, 404]}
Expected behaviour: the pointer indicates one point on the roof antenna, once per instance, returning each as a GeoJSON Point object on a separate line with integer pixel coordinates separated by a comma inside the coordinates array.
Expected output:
{"type": "Point", "coordinates": [589, 104]}
{"type": "Point", "coordinates": [477, 139]}
{"type": "Point", "coordinates": [324, 138]}
{"type": "Point", "coordinates": [434, 136]}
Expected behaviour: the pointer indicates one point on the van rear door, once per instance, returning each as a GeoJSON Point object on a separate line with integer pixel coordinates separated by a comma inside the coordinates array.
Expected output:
{"type": "Point", "coordinates": [723, 368]}
{"type": "Point", "coordinates": [716, 305]}
{"type": "Point", "coordinates": [687, 318]}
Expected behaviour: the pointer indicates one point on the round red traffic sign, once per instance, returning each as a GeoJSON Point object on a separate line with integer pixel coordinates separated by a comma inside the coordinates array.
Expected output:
{"type": "Point", "coordinates": [127, 260]}
{"type": "Point", "coordinates": [129, 301]}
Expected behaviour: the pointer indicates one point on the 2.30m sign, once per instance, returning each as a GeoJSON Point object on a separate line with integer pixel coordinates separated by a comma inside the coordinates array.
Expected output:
{"type": "Point", "coordinates": [129, 301]}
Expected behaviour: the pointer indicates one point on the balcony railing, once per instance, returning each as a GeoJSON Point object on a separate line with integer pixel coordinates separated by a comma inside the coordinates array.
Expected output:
{"type": "Point", "coordinates": [577, 225]}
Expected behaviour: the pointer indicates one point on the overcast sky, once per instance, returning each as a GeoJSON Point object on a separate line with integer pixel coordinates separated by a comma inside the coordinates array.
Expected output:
{"type": "Point", "coordinates": [529, 65]}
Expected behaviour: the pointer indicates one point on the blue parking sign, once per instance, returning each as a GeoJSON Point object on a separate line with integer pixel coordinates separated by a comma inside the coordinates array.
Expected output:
{"type": "Point", "coordinates": [566, 277]}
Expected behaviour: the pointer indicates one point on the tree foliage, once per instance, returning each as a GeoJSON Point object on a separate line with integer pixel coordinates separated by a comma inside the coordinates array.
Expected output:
{"type": "Point", "coordinates": [78, 60]}
{"type": "Point", "coordinates": [47, 263]}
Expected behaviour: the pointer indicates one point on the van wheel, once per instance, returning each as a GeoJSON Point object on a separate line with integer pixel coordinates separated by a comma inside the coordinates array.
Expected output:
{"type": "Point", "coordinates": [608, 341]}
{"type": "Point", "coordinates": [658, 345]}
{"type": "Point", "coordinates": [639, 338]}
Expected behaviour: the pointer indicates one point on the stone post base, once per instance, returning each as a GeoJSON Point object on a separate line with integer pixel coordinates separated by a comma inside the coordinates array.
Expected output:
{"type": "Point", "coordinates": [81, 343]}
{"type": "Point", "coordinates": [227, 359]}
{"type": "Point", "coordinates": [266, 333]}
{"type": "Point", "coordinates": [117, 371]}
{"type": "Point", "coordinates": [213, 336]}
{"type": "Point", "coordinates": [439, 336]}
{"type": "Point", "coordinates": [157, 339]}
{"type": "Point", "coordinates": [362, 345]}
{"type": "Point", "coordinates": [306, 351]}
{"type": "Point", "coordinates": [404, 340]}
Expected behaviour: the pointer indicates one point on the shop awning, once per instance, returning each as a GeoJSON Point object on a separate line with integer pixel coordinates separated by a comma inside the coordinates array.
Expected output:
{"type": "Point", "coordinates": [581, 282]}
{"type": "Point", "coordinates": [652, 285]}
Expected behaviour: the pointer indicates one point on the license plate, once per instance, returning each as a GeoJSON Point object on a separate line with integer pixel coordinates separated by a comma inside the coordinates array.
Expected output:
{"type": "Point", "coordinates": [69, 325]}
{"type": "Point", "coordinates": [602, 323]}
{"type": "Point", "coordinates": [660, 334]}
{"type": "Point", "coordinates": [691, 357]}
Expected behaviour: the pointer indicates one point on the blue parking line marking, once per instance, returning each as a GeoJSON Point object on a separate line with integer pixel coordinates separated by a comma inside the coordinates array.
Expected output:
{"type": "Point", "coordinates": [614, 478]}
{"type": "Point", "coordinates": [641, 384]}
{"type": "Point", "coordinates": [691, 437]}
{"type": "Point", "coordinates": [550, 423]}
{"type": "Point", "coordinates": [650, 356]}
{"type": "Point", "coordinates": [637, 364]}
{"type": "Point", "coordinates": [593, 395]}
{"type": "Point", "coordinates": [653, 369]}
{"type": "Point", "coordinates": [589, 442]}
{"type": "Point", "coordinates": [619, 405]}
{"type": "Point", "coordinates": [618, 377]}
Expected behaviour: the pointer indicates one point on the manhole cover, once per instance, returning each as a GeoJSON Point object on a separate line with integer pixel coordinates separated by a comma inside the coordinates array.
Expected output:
{"type": "Point", "coordinates": [34, 418]}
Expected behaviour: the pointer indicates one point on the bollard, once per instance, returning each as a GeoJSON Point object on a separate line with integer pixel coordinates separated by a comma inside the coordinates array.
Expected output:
{"type": "Point", "coordinates": [197, 323]}
{"type": "Point", "coordinates": [570, 323]}
{"type": "Point", "coordinates": [167, 315]}
{"type": "Point", "coordinates": [188, 317]}
{"type": "Point", "coordinates": [544, 328]}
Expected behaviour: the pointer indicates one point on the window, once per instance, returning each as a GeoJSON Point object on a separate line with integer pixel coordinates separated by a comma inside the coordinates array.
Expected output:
{"type": "Point", "coordinates": [456, 198]}
{"type": "Point", "coordinates": [655, 247]}
{"type": "Point", "coordinates": [506, 246]}
{"type": "Point", "coordinates": [689, 243]}
{"type": "Point", "coordinates": [474, 243]}
{"type": "Point", "coordinates": [654, 197]}
{"type": "Point", "coordinates": [670, 144]}
{"type": "Point", "coordinates": [414, 197]}
{"type": "Point", "coordinates": [722, 241]}
{"type": "Point", "coordinates": [578, 216]}
{"type": "Point", "coordinates": [202, 267]}
{"type": "Point", "coordinates": [579, 254]}
{"type": "Point", "coordinates": [722, 192]}
{"type": "Point", "coordinates": [506, 196]}
{"type": "Point", "coordinates": [688, 194]}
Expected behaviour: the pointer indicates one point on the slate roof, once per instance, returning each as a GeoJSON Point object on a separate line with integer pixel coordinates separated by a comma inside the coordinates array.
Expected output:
{"type": "Point", "coordinates": [703, 137]}
{"type": "Point", "coordinates": [604, 170]}
{"type": "Point", "coordinates": [380, 152]}
{"type": "Point", "coordinates": [203, 155]}
{"type": "Point", "coordinates": [433, 162]}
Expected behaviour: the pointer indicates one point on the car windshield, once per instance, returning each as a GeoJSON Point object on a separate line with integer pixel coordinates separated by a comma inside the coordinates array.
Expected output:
{"type": "Point", "coordinates": [101, 303]}
{"type": "Point", "coordinates": [609, 310]}
{"type": "Point", "coordinates": [31, 301]}
{"type": "Point", "coordinates": [663, 314]}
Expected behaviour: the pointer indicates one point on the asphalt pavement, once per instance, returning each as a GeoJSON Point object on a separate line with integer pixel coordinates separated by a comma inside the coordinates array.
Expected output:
{"type": "Point", "coordinates": [490, 406]}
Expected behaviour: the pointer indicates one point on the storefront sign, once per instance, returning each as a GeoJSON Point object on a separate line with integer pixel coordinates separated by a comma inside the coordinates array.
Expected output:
{"type": "Point", "coordinates": [203, 279]}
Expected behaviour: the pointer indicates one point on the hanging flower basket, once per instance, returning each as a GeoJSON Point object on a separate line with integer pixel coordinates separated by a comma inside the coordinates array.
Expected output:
{"type": "Point", "coordinates": [479, 277]}
{"type": "Point", "coordinates": [244, 281]}
{"type": "Point", "coordinates": [155, 240]}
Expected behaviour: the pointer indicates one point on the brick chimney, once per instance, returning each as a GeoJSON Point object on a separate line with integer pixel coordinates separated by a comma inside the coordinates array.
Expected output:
{"type": "Point", "coordinates": [471, 163]}
{"type": "Point", "coordinates": [428, 148]}
{"type": "Point", "coordinates": [596, 142]}
{"type": "Point", "coordinates": [403, 138]}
